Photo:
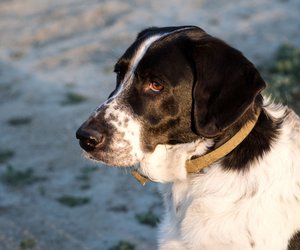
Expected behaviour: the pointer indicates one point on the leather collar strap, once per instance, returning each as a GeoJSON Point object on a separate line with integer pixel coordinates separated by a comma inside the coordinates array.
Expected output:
{"type": "Point", "coordinates": [201, 162]}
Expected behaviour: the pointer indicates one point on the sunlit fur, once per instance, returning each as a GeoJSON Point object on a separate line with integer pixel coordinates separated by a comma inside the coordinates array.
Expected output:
{"type": "Point", "coordinates": [222, 210]}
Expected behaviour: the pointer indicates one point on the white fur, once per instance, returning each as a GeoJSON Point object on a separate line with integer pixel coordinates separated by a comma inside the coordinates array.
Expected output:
{"type": "Point", "coordinates": [173, 157]}
{"type": "Point", "coordinates": [129, 127]}
{"type": "Point", "coordinates": [219, 210]}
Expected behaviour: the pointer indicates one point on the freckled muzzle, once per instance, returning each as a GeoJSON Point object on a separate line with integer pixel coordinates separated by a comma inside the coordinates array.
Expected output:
{"type": "Point", "coordinates": [110, 136]}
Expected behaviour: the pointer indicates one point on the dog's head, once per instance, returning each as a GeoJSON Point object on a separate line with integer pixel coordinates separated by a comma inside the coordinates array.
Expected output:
{"type": "Point", "coordinates": [175, 85]}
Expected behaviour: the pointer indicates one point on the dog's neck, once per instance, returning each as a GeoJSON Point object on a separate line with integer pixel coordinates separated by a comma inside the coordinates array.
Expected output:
{"type": "Point", "coordinates": [174, 156]}
{"type": "Point", "coordinates": [197, 164]}
{"type": "Point", "coordinates": [167, 162]}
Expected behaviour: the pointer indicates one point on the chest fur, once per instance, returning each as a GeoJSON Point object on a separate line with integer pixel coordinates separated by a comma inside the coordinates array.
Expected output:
{"type": "Point", "coordinates": [231, 210]}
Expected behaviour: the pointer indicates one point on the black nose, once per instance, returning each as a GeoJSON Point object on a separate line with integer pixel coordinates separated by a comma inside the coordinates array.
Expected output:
{"type": "Point", "coordinates": [89, 140]}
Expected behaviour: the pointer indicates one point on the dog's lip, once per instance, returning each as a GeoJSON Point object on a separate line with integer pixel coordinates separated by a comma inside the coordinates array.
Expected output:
{"type": "Point", "coordinates": [99, 159]}
{"type": "Point", "coordinates": [89, 156]}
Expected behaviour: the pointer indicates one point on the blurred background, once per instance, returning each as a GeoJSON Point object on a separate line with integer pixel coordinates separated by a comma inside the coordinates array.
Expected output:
{"type": "Point", "coordinates": [56, 61]}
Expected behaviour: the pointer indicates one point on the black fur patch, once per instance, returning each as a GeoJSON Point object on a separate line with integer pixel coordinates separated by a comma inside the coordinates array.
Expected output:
{"type": "Point", "coordinates": [226, 86]}
{"type": "Point", "coordinates": [294, 243]}
{"type": "Point", "coordinates": [255, 146]}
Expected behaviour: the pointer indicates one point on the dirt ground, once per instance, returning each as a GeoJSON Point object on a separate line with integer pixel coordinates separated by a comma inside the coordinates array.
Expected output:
{"type": "Point", "coordinates": [56, 60]}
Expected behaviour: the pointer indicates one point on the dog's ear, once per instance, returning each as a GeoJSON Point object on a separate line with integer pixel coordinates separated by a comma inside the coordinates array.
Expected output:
{"type": "Point", "coordinates": [225, 86]}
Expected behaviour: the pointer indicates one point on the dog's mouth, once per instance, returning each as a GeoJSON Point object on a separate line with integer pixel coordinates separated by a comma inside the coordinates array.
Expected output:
{"type": "Point", "coordinates": [115, 159]}
{"type": "Point", "coordinates": [90, 156]}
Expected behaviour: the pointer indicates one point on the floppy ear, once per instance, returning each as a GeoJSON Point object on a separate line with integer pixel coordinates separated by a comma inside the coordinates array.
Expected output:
{"type": "Point", "coordinates": [225, 86]}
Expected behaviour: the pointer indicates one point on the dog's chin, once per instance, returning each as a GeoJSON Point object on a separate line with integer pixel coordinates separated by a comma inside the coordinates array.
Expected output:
{"type": "Point", "coordinates": [111, 160]}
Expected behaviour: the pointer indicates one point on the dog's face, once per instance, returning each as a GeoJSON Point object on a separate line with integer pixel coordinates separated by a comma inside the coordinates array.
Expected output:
{"type": "Point", "coordinates": [175, 85]}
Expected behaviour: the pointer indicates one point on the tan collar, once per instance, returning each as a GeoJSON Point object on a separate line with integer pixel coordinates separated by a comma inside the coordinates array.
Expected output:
{"type": "Point", "coordinates": [201, 162]}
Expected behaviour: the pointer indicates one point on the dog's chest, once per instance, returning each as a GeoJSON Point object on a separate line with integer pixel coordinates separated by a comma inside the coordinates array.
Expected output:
{"type": "Point", "coordinates": [215, 214]}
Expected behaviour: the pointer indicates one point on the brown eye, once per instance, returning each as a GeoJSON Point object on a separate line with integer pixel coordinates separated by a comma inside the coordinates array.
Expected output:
{"type": "Point", "coordinates": [156, 87]}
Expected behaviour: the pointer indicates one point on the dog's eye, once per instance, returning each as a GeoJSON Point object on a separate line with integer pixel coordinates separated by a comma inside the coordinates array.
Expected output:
{"type": "Point", "coordinates": [156, 87]}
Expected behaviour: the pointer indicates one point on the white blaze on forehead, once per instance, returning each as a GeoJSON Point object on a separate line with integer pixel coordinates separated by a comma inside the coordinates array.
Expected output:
{"type": "Point", "coordinates": [144, 46]}
{"type": "Point", "coordinates": [140, 52]}
{"type": "Point", "coordinates": [134, 62]}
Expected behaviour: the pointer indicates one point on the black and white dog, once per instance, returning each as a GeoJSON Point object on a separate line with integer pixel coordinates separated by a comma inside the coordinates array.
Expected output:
{"type": "Point", "coordinates": [182, 94]}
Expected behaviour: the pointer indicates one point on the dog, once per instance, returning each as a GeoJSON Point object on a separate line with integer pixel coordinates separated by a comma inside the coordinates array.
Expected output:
{"type": "Point", "coordinates": [188, 112]}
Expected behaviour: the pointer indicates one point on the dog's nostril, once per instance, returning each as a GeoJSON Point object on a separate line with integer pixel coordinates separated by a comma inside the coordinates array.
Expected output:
{"type": "Point", "coordinates": [88, 144]}
{"type": "Point", "coordinates": [89, 140]}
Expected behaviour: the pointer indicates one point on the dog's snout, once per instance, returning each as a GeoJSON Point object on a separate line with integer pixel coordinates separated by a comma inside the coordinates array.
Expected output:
{"type": "Point", "coordinates": [89, 139]}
